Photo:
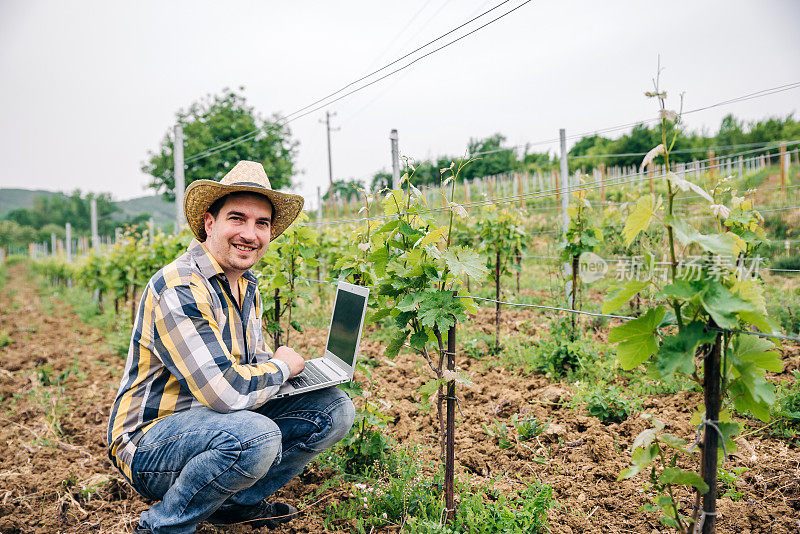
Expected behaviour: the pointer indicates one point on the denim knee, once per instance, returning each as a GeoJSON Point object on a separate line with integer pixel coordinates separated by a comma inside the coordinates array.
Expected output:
{"type": "Point", "coordinates": [342, 413]}
{"type": "Point", "coordinates": [257, 440]}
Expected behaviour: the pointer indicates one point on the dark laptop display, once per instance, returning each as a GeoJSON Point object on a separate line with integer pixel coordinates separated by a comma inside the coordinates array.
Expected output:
{"type": "Point", "coordinates": [345, 325]}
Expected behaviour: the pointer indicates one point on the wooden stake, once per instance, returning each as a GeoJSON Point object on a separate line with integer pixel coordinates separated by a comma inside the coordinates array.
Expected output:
{"type": "Point", "coordinates": [713, 400]}
{"type": "Point", "coordinates": [450, 456]}
{"type": "Point", "coordinates": [783, 164]}
{"type": "Point", "coordinates": [603, 181]}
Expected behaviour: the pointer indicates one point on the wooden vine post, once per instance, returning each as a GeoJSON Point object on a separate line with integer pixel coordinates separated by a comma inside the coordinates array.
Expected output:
{"type": "Point", "coordinates": [277, 335]}
{"type": "Point", "coordinates": [784, 165]}
{"type": "Point", "coordinates": [450, 444]}
{"type": "Point", "coordinates": [497, 299]}
{"type": "Point", "coordinates": [712, 364]}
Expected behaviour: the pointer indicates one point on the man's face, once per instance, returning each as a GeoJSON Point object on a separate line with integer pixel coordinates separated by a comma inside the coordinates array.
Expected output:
{"type": "Point", "coordinates": [238, 237]}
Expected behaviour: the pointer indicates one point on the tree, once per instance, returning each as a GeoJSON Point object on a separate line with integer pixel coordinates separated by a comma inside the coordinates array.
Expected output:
{"type": "Point", "coordinates": [492, 159]}
{"type": "Point", "coordinates": [344, 189]}
{"type": "Point", "coordinates": [381, 180]}
{"type": "Point", "coordinates": [218, 119]}
{"type": "Point", "coordinates": [60, 209]}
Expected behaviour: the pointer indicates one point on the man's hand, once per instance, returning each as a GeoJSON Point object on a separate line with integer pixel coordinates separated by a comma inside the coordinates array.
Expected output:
{"type": "Point", "coordinates": [295, 362]}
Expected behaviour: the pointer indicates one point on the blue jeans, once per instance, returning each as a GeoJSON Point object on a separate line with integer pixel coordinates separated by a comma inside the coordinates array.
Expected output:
{"type": "Point", "coordinates": [199, 460]}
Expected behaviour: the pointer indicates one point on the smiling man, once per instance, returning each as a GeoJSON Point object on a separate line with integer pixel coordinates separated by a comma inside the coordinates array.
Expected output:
{"type": "Point", "coordinates": [193, 425]}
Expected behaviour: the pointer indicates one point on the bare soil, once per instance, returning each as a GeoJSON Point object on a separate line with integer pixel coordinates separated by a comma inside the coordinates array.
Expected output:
{"type": "Point", "coordinates": [55, 475]}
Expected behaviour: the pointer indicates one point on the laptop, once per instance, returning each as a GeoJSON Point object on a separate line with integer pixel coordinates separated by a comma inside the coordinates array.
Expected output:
{"type": "Point", "coordinates": [338, 363]}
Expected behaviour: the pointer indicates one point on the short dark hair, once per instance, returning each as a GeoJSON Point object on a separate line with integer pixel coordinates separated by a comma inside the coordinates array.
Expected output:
{"type": "Point", "coordinates": [216, 206]}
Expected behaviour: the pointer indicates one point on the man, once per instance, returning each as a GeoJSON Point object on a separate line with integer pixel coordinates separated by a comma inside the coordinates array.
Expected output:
{"type": "Point", "coordinates": [193, 425]}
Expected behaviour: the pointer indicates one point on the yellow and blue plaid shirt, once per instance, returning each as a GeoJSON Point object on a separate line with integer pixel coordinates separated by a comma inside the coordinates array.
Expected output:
{"type": "Point", "coordinates": [192, 345]}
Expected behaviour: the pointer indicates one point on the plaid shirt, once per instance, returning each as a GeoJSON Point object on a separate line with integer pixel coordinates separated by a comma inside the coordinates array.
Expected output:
{"type": "Point", "coordinates": [191, 346]}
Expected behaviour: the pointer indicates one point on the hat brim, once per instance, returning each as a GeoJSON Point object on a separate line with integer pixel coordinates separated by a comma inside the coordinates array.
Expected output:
{"type": "Point", "coordinates": [200, 194]}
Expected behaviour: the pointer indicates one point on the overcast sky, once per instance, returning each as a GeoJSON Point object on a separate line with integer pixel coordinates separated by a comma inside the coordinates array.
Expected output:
{"type": "Point", "coordinates": [87, 88]}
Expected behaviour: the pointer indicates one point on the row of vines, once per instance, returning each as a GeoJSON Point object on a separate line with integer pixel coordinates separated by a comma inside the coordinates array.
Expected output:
{"type": "Point", "coordinates": [426, 265]}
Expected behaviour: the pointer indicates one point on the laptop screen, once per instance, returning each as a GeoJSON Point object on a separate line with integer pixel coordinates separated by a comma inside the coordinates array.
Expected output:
{"type": "Point", "coordinates": [345, 325]}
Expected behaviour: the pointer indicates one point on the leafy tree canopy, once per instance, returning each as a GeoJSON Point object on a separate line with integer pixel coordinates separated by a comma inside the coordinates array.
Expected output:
{"type": "Point", "coordinates": [59, 209]}
{"type": "Point", "coordinates": [218, 119]}
{"type": "Point", "coordinates": [346, 189]}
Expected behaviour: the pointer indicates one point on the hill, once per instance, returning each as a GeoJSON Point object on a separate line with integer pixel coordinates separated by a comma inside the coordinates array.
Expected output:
{"type": "Point", "coordinates": [163, 212]}
{"type": "Point", "coordinates": [11, 199]}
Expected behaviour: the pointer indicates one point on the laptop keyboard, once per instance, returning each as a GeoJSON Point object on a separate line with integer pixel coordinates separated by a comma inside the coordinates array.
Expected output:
{"type": "Point", "coordinates": [311, 376]}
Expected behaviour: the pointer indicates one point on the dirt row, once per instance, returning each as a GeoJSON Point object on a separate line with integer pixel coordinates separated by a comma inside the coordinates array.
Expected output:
{"type": "Point", "coordinates": [55, 475]}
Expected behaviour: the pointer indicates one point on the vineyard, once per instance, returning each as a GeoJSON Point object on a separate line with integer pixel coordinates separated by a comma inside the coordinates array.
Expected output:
{"type": "Point", "coordinates": [636, 369]}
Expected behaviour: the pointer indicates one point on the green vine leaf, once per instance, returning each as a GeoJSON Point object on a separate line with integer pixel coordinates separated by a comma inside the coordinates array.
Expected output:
{"type": "Point", "coordinates": [637, 338]}
{"type": "Point", "coordinates": [428, 389]}
{"type": "Point", "coordinates": [419, 340]}
{"type": "Point", "coordinates": [396, 343]}
{"type": "Point", "coordinates": [461, 260]}
{"type": "Point", "coordinates": [638, 219]}
{"type": "Point", "coordinates": [622, 295]}
{"type": "Point", "coordinates": [640, 459]}
{"type": "Point", "coordinates": [719, 244]}
{"type": "Point", "coordinates": [760, 352]}
{"type": "Point", "coordinates": [677, 352]}
{"type": "Point", "coordinates": [723, 306]}
{"type": "Point", "coordinates": [674, 475]}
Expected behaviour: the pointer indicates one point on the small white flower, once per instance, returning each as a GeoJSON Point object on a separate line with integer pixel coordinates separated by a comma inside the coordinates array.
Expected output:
{"type": "Point", "coordinates": [720, 210]}
{"type": "Point", "coordinates": [459, 209]}
{"type": "Point", "coordinates": [359, 486]}
{"type": "Point", "coordinates": [363, 246]}
{"type": "Point", "coordinates": [449, 375]}
{"type": "Point", "coordinates": [669, 115]}
{"type": "Point", "coordinates": [736, 200]}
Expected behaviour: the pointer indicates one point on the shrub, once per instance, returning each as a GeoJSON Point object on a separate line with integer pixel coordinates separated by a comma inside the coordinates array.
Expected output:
{"type": "Point", "coordinates": [785, 308]}
{"type": "Point", "coordinates": [608, 404]}
{"type": "Point", "coordinates": [786, 262]}
{"type": "Point", "coordinates": [527, 428]}
{"type": "Point", "coordinates": [560, 353]}
{"type": "Point", "coordinates": [786, 409]}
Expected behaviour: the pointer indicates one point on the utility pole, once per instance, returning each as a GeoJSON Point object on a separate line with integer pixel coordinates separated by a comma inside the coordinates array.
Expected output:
{"type": "Point", "coordinates": [180, 182]}
{"type": "Point", "coordinates": [327, 123]}
{"type": "Point", "coordinates": [395, 159]}
{"type": "Point", "coordinates": [95, 237]}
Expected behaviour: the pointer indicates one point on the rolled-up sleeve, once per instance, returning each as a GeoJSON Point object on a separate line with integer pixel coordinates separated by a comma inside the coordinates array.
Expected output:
{"type": "Point", "coordinates": [190, 344]}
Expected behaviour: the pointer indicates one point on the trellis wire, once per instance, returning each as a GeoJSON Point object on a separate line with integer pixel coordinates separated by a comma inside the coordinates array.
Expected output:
{"type": "Point", "coordinates": [582, 312]}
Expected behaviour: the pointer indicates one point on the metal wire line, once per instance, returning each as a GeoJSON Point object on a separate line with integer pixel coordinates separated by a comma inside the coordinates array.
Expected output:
{"type": "Point", "coordinates": [582, 312]}
{"type": "Point", "coordinates": [596, 184]}
{"type": "Point", "coordinates": [314, 106]}
{"type": "Point", "coordinates": [757, 94]}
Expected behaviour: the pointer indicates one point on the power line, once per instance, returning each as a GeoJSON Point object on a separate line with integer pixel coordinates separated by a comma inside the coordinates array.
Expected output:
{"type": "Point", "coordinates": [749, 96]}
{"type": "Point", "coordinates": [286, 118]}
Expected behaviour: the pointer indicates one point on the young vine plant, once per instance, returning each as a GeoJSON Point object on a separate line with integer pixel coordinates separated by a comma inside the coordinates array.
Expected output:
{"type": "Point", "coordinates": [696, 327]}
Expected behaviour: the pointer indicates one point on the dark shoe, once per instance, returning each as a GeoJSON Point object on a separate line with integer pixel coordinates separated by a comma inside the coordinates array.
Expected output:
{"type": "Point", "coordinates": [139, 529]}
{"type": "Point", "coordinates": [268, 514]}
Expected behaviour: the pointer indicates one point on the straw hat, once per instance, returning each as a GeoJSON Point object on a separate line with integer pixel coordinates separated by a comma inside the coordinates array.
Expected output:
{"type": "Point", "coordinates": [246, 176]}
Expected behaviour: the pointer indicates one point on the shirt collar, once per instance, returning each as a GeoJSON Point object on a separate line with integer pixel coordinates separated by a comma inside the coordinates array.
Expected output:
{"type": "Point", "coordinates": [208, 266]}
